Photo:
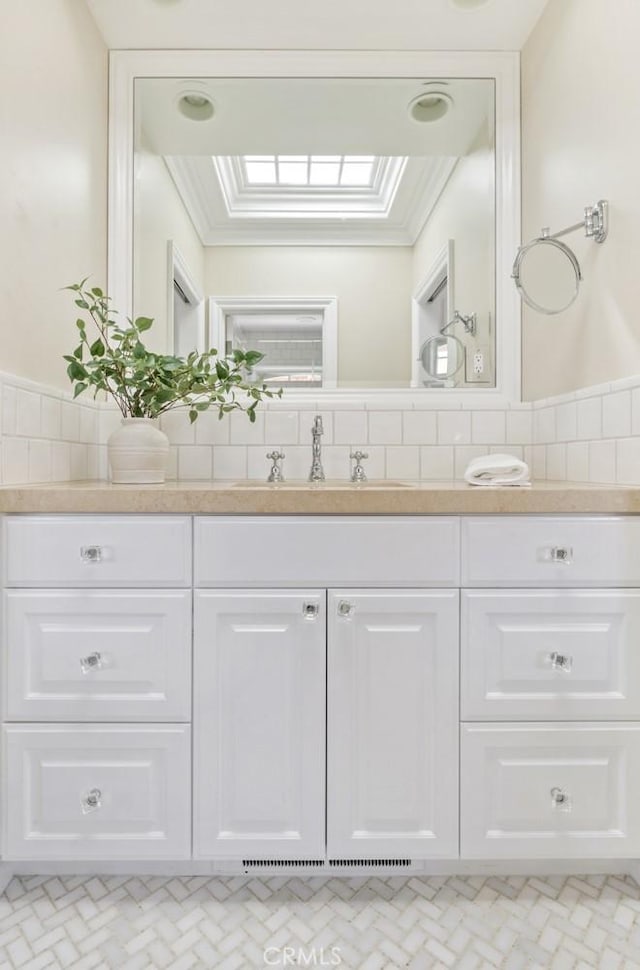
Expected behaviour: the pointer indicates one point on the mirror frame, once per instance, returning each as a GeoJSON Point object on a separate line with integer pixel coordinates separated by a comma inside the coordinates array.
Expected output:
{"type": "Point", "coordinates": [501, 67]}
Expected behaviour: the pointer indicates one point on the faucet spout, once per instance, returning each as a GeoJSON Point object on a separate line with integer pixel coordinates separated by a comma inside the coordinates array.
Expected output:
{"type": "Point", "coordinates": [317, 472]}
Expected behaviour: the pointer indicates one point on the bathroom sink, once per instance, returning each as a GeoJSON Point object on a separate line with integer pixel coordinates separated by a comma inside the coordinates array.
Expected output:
{"type": "Point", "coordinates": [335, 483]}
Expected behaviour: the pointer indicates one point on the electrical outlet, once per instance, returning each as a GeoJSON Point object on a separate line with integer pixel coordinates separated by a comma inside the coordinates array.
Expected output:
{"type": "Point", "coordinates": [478, 365]}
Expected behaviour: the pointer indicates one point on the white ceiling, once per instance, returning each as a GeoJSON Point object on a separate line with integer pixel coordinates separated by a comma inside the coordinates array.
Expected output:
{"type": "Point", "coordinates": [316, 24]}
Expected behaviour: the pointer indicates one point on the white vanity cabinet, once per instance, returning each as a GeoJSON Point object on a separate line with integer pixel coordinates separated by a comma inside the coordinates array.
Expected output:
{"type": "Point", "coordinates": [550, 687]}
{"type": "Point", "coordinates": [392, 724]}
{"type": "Point", "coordinates": [97, 687]}
{"type": "Point", "coordinates": [366, 689]}
{"type": "Point", "coordinates": [392, 688]}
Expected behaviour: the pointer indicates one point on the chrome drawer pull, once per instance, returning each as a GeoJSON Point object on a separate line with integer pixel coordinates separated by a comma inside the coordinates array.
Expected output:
{"type": "Point", "coordinates": [91, 802]}
{"type": "Point", "coordinates": [91, 554]}
{"type": "Point", "coordinates": [560, 800]}
{"type": "Point", "coordinates": [310, 610]}
{"type": "Point", "coordinates": [93, 662]}
{"type": "Point", "coordinates": [560, 661]}
{"type": "Point", "coordinates": [345, 609]}
{"type": "Point", "coordinates": [561, 554]}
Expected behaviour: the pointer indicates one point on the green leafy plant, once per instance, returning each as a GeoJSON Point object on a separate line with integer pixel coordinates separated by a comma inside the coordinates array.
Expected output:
{"type": "Point", "coordinates": [145, 384]}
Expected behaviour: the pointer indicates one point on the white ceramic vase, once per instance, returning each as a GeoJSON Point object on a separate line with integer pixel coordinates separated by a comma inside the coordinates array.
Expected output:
{"type": "Point", "coordinates": [138, 453]}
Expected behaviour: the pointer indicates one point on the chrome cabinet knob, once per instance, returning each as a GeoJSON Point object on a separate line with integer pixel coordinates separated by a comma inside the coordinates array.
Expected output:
{"type": "Point", "coordinates": [91, 802]}
{"type": "Point", "coordinates": [560, 799]}
{"type": "Point", "coordinates": [94, 661]}
{"type": "Point", "coordinates": [91, 554]}
{"type": "Point", "coordinates": [310, 610]}
{"type": "Point", "coordinates": [345, 608]}
{"type": "Point", "coordinates": [560, 661]}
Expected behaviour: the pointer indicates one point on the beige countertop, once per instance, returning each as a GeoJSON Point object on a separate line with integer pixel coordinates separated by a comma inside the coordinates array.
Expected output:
{"type": "Point", "coordinates": [339, 498]}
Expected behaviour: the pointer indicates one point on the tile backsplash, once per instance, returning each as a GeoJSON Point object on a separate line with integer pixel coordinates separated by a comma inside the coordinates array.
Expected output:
{"type": "Point", "coordinates": [591, 435]}
{"type": "Point", "coordinates": [45, 436]}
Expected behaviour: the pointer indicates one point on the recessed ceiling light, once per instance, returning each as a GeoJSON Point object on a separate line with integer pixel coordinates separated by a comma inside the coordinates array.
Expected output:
{"type": "Point", "coordinates": [469, 4]}
{"type": "Point", "coordinates": [196, 106]}
{"type": "Point", "coordinates": [430, 106]}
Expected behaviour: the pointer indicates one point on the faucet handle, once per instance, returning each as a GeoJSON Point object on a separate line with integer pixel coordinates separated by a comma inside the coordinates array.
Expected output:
{"type": "Point", "coordinates": [358, 473]}
{"type": "Point", "coordinates": [275, 472]}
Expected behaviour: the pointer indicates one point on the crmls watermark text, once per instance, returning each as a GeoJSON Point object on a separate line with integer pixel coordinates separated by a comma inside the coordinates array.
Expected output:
{"type": "Point", "coordinates": [298, 956]}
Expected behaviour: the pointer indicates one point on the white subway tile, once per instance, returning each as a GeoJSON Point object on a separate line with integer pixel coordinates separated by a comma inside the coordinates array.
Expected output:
{"type": "Point", "coordinates": [454, 427]}
{"type": "Point", "coordinates": [172, 463]}
{"type": "Point", "coordinates": [296, 465]}
{"type": "Point", "coordinates": [419, 427]}
{"type": "Point", "coordinates": [385, 427]}
{"type": "Point", "coordinates": [602, 461]}
{"type": "Point", "coordinates": [70, 421]}
{"type": "Point", "coordinates": [28, 413]}
{"type": "Point", "coordinates": [519, 427]}
{"type": "Point", "coordinates": [88, 425]}
{"type": "Point", "coordinates": [557, 462]}
{"type": "Point", "coordinates": [590, 418]}
{"type": "Point", "coordinates": [15, 461]}
{"type": "Point", "coordinates": [79, 462]}
{"type": "Point", "coordinates": [39, 460]}
{"type": "Point", "coordinates": [350, 427]}
{"type": "Point", "coordinates": [51, 417]}
{"type": "Point", "coordinates": [243, 432]}
{"type": "Point", "coordinates": [616, 415]}
{"type": "Point", "coordinates": [578, 461]}
{"type": "Point", "coordinates": [281, 427]}
{"type": "Point", "coordinates": [567, 422]}
{"type": "Point", "coordinates": [8, 409]}
{"type": "Point", "coordinates": [403, 461]}
{"type": "Point", "coordinates": [635, 411]}
{"type": "Point", "coordinates": [177, 427]}
{"type": "Point", "coordinates": [464, 455]}
{"type": "Point", "coordinates": [628, 461]}
{"type": "Point", "coordinates": [61, 461]}
{"type": "Point", "coordinates": [436, 462]}
{"type": "Point", "coordinates": [516, 451]}
{"type": "Point", "coordinates": [544, 426]}
{"type": "Point", "coordinates": [488, 428]}
{"type": "Point", "coordinates": [258, 465]}
{"type": "Point", "coordinates": [335, 461]}
{"type": "Point", "coordinates": [229, 462]}
{"type": "Point", "coordinates": [195, 462]}
{"type": "Point", "coordinates": [375, 464]}
{"type": "Point", "coordinates": [539, 462]}
{"type": "Point", "coordinates": [211, 430]}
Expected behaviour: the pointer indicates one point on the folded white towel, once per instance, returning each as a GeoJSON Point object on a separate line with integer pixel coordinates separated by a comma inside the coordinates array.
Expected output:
{"type": "Point", "coordinates": [497, 470]}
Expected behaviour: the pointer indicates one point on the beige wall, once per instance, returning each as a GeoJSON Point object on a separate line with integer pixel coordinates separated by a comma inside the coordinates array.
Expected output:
{"type": "Point", "coordinates": [159, 217]}
{"type": "Point", "coordinates": [465, 214]}
{"type": "Point", "coordinates": [581, 142]}
{"type": "Point", "coordinates": [53, 178]}
{"type": "Point", "coordinates": [372, 284]}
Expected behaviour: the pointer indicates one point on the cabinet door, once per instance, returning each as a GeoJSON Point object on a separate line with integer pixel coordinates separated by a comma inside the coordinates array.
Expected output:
{"type": "Point", "coordinates": [392, 742]}
{"type": "Point", "coordinates": [259, 724]}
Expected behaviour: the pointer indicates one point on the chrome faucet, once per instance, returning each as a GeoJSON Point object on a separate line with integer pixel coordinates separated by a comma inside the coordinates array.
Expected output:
{"type": "Point", "coordinates": [317, 472]}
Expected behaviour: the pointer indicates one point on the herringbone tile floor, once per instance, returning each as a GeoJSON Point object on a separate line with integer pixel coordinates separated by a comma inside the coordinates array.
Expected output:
{"type": "Point", "coordinates": [246, 924]}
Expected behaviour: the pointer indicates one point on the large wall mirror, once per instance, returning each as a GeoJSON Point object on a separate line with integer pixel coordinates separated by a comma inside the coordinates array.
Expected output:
{"type": "Point", "coordinates": [352, 218]}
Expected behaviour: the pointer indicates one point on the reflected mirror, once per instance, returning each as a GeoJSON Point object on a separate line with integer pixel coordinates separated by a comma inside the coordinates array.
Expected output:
{"type": "Point", "coordinates": [334, 224]}
{"type": "Point", "coordinates": [442, 357]}
{"type": "Point", "coordinates": [547, 275]}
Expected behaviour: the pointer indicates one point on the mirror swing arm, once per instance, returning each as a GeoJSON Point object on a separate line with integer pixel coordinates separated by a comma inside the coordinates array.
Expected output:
{"type": "Point", "coordinates": [596, 227]}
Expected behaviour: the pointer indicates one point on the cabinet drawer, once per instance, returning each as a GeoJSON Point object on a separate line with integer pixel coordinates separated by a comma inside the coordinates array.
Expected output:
{"type": "Point", "coordinates": [557, 654]}
{"type": "Point", "coordinates": [550, 791]}
{"type": "Point", "coordinates": [97, 792]}
{"type": "Point", "coordinates": [98, 655]}
{"type": "Point", "coordinates": [551, 551]}
{"type": "Point", "coordinates": [97, 550]}
{"type": "Point", "coordinates": [326, 551]}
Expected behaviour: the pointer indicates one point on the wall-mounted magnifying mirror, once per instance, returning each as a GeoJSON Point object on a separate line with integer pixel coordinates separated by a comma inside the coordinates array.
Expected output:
{"type": "Point", "coordinates": [442, 357]}
{"type": "Point", "coordinates": [547, 272]}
